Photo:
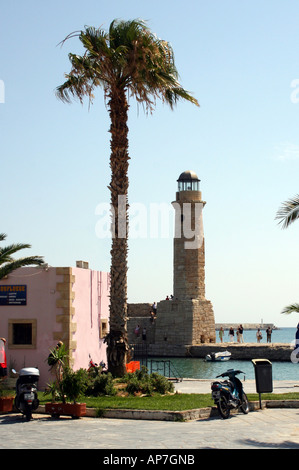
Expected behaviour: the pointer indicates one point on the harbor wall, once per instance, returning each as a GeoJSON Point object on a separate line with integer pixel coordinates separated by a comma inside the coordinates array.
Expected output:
{"type": "Point", "coordinates": [246, 326]}
{"type": "Point", "coordinates": [271, 351]}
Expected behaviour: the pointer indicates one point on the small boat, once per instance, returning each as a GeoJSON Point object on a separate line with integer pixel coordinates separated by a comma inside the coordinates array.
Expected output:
{"type": "Point", "coordinates": [219, 356]}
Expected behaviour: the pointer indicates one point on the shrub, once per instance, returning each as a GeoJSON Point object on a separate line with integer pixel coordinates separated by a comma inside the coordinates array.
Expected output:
{"type": "Point", "coordinates": [101, 385]}
{"type": "Point", "coordinates": [74, 383]}
{"type": "Point", "coordinates": [141, 381]}
{"type": "Point", "coordinates": [161, 384]}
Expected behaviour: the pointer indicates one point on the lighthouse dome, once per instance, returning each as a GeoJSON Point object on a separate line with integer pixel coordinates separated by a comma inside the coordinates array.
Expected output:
{"type": "Point", "coordinates": [188, 176]}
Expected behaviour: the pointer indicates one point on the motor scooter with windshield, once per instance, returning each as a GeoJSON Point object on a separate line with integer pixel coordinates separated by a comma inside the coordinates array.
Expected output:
{"type": "Point", "coordinates": [26, 400]}
{"type": "Point", "coordinates": [229, 394]}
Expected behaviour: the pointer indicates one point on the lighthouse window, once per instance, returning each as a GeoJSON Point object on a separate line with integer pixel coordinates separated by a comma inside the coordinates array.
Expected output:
{"type": "Point", "coordinates": [188, 186]}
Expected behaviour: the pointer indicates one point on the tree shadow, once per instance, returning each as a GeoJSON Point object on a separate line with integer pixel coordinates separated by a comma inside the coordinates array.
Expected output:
{"type": "Point", "coordinates": [273, 445]}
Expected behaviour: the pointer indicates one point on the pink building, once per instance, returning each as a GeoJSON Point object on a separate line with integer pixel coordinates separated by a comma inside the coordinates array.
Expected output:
{"type": "Point", "coordinates": [40, 306]}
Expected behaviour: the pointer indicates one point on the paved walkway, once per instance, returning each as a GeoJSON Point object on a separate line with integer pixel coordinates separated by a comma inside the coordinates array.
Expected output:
{"type": "Point", "coordinates": [262, 429]}
{"type": "Point", "coordinates": [267, 429]}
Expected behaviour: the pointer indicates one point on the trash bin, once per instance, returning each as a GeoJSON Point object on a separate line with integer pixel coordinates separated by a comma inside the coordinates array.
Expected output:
{"type": "Point", "coordinates": [263, 375]}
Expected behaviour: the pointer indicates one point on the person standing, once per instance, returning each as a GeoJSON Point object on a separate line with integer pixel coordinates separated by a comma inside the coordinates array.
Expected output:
{"type": "Point", "coordinates": [259, 335]}
{"type": "Point", "coordinates": [231, 334]}
{"type": "Point", "coordinates": [137, 330]}
{"type": "Point", "coordinates": [269, 333]}
{"type": "Point", "coordinates": [144, 334]}
{"type": "Point", "coordinates": [221, 333]}
{"type": "Point", "coordinates": [241, 329]}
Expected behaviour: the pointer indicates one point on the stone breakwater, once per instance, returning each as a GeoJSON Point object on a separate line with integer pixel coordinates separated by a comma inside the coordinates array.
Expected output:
{"type": "Point", "coordinates": [239, 351]}
{"type": "Point", "coordinates": [248, 351]}
{"type": "Point", "coordinates": [246, 326]}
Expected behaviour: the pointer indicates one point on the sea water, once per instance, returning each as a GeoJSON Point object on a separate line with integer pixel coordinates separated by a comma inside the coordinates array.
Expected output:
{"type": "Point", "coordinates": [197, 368]}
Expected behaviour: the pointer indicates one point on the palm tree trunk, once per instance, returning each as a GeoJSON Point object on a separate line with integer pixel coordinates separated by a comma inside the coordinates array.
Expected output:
{"type": "Point", "coordinates": [117, 342]}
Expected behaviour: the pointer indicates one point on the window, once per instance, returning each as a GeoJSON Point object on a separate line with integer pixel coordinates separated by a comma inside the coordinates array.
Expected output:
{"type": "Point", "coordinates": [103, 328]}
{"type": "Point", "coordinates": [22, 334]}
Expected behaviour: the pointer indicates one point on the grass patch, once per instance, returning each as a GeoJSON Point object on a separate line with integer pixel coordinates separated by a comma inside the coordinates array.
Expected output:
{"type": "Point", "coordinates": [175, 402]}
{"type": "Point", "coordinates": [273, 396]}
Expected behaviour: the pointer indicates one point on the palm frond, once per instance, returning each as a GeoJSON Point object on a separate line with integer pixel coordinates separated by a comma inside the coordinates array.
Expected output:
{"type": "Point", "coordinates": [8, 264]}
{"type": "Point", "coordinates": [288, 212]}
{"type": "Point", "coordinates": [20, 263]}
{"type": "Point", "coordinates": [128, 57]}
{"type": "Point", "coordinates": [290, 309]}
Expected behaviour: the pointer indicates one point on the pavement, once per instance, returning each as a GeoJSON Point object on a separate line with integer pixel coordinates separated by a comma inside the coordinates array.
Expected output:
{"type": "Point", "coordinates": [276, 428]}
{"type": "Point", "coordinates": [261, 429]}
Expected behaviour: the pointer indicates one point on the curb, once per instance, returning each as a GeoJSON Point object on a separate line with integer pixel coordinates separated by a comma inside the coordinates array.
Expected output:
{"type": "Point", "coordinates": [175, 416]}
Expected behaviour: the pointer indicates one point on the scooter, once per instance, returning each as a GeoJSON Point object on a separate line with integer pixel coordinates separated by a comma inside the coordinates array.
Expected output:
{"type": "Point", "coordinates": [96, 368]}
{"type": "Point", "coordinates": [26, 399]}
{"type": "Point", "coordinates": [229, 394]}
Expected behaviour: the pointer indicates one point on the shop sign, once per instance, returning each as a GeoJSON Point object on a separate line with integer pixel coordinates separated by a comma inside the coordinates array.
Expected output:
{"type": "Point", "coordinates": [13, 295]}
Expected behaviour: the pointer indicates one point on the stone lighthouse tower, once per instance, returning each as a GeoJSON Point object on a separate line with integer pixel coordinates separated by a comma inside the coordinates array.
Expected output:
{"type": "Point", "coordinates": [188, 249]}
{"type": "Point", "coordinates": [187, 319]}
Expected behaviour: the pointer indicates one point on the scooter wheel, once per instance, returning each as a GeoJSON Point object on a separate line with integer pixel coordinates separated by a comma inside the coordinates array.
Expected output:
{"type": "Point", "coordinates": [244, 407]}
{"type": "Point", "coordinates": [223, 407]}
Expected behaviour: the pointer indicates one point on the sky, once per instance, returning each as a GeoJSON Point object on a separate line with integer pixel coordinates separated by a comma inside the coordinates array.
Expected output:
{"type": "Point", "coordinates": [241, 61]}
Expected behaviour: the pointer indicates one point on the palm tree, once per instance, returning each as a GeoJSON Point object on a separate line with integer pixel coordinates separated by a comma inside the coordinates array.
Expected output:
{"type": "Point", "coordinates": [128, 60]}
{"type": "Point", "coordinates": [9, 264]}
{"type": "Point", "coordinates": [289, 212]}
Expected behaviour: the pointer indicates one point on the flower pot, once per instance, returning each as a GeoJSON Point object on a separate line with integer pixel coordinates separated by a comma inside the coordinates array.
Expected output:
{"type": "Point", "coordinates": [76, 410]}
{"type": "Point", "coordinates": [6, 404]}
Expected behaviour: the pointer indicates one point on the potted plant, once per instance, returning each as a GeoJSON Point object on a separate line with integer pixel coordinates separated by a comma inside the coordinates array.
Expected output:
{"type": "Point", "coordinates": [71, 387]}
{"type": "Point", "coordinates": [74, 384]}
{"type": "Point", "coordinates": [68, 386]}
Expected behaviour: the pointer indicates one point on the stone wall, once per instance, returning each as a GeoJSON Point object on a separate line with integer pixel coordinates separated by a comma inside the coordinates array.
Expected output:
{"type": "Point", "coordinates": [203, 322]}
{"type": "Point", "coordinates": [139, 310]}
{"type": "Point", "coordinates": [272, 351]}
{"type": "Point", "coordinates": [143, 322]}
{"type": "Point", "coordinates": [185, 322]}
{"type": "Point", "coordinates": [246, 326]}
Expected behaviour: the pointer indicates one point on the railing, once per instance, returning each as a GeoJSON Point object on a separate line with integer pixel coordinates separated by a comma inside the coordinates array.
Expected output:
{"type": "Point", "coordinates": [164, 367]}
{"type": "Point", "coordinates": [161, 366]}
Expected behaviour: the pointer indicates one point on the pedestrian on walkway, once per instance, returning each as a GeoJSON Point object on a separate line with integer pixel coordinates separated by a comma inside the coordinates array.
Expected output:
{"type": "Point", "coordinates": [241, 329]}
{"type": "Point", "coordinates": [259, 335]}
{"type": "Point", "coordinates": [221, 333]}
{"type": "Point", "coordinates": [269, 333]}
{"type": "Point", "coordinates": [144, 334]}
{"type": "Point", "coordinates": [231, 334]}
{"type": "Point", "coordinates": [137, 330]}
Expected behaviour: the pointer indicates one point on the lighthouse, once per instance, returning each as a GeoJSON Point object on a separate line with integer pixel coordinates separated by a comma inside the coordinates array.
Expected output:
{"type": "Point", "coordinates": [187, 319]}
{"type": "Point", "coordinates": [188, 245]}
